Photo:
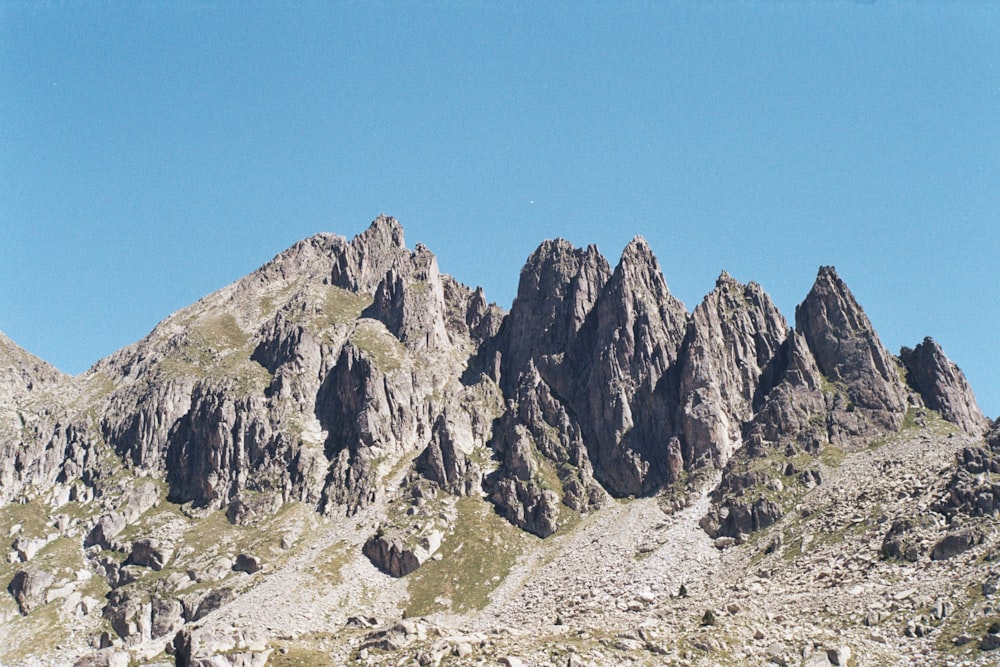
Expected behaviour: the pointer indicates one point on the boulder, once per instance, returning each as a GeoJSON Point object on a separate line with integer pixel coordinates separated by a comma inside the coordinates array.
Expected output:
{"type": "Point", "coordinates": [28, 588]}
{"type": "Point", "coordinates": [148, 552]}
{"type": "Point", "coordinates": [956, 542]}
{"type": "Point", "coordinates": [214, 600]}
{"type": "Point", "coordinates": [105, 657]}
{"type": "Point", "coordinates": [247, 563]}
{"type": "Point", "coordinates": [905, 539]}
{"type": "Point", "coordinates": [107, 528]}
{"type": "Point", "coordinates": [129, 613]}
{"type": "Point", "coordinates": [398, 556]}
{"type": "Point", "coordinates": [167, 616]}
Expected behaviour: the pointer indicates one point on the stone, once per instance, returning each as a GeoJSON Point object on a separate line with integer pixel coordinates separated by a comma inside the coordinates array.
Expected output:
{"type": "Point", "coordinates": [816, 659]}
{"type": "Point", "coordinates": [148, 552]}
{"type": "Point", "coordinates": [839, 656]}
{"type": "Point", "coordinates": [166, 617]}
{"type": "Point", "coordinates": [247, 563]}
{"type": "Point", "coordinates": [107, 657]}
{"type": "Point", "coordinates": [214, 600]}
{"type": "Point", "coordinates": [140, 499]}
{"type": "Point", "coordinates": [107, 528]}
{"type": "Point", "coordinates": [903, 541]}
{"type": "Point", "coordinates": [942, 386]}
{"type": "Point", "coordinates": [956, 542]}
{"type": "Point", "coordinates": [28, 588]}
{"type": "Point", "coordinates": [398, 556]}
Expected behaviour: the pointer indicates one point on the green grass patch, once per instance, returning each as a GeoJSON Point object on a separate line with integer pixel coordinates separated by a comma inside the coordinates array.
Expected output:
{"type": "Point", "coordinates": [832, 456]}
{"type": "Point", "coordinates": [327, 566]}
{"type": "Point", "coordinates": [305, 651]}
{"type": "Point", "coordinates": [384, 350]}
{"type": "Point", "coordinates": [341, 307]}
{"type": "Point", "coordinates": [300, 656]}
{"type": "Point", "coordinates": [477, 555]}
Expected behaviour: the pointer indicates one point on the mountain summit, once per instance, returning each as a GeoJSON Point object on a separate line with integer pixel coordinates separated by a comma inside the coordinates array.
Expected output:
{"type": "Point", "coordinates": [302, 462]}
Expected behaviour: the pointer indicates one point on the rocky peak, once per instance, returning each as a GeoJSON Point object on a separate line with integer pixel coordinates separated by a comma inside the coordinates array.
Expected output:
{"type": "Point", "coordinates": [942, 385]}
{"type": "Point", "coordinates": [637, 316]}
{"type": "Point", "coordinates": [558, 287]}
{"type": "Point", "coordinates": [630, 340]}
{"type": "Point", "coordinates": [794, 411]}
{"type": "Point", "coordinates": [370, 255]}
{"type": "Point", "coordinates": [22, 372]}
{"type": "Point", "coordinates": [869, 394]}
{"type": "Point", "coordinates": [732, 338]}
{"type": "Point", "coordinates": [309, 258]}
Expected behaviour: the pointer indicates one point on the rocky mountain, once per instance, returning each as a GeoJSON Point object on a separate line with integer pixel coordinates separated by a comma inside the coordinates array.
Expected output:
{"type": "Point", "coordinates": [349, 456]}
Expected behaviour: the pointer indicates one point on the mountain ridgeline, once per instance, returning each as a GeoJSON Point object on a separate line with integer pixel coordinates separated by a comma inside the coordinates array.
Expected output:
{"type": "Point", "coordinates": [348, 434]}
{"type": "Point", "coordinates": [339, 362]}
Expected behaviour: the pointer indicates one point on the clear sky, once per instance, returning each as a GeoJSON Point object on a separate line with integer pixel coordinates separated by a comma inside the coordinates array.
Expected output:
{"type": "Point", "coordinates": [153, 152]}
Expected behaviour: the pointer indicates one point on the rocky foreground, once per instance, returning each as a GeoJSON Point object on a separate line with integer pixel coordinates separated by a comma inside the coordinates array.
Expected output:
{"type": "Point", "coordinates": [347, 457]}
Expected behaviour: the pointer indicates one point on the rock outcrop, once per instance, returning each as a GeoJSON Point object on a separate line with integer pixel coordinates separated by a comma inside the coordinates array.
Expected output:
{"type": "Point", "coordinates": [732, 342]}
{"type": "Point", "coordinates": [866, 396]}
{"type": "Point", "coordinates": [356, 378]}
{"type": "Point", "coordinates": [28, 588]}
{"type": "Point", "coordinates": [942, 386]}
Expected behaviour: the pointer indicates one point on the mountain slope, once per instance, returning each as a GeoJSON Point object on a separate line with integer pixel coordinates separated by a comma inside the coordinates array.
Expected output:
{"type": "Point", "coordinates": [348, 432]}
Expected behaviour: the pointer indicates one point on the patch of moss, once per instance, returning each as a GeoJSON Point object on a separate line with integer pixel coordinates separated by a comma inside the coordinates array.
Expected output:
{"type": "Point", "coordinates": [384, 350]}
{"type": "Point", "coordinates": [328, 564]}
{"type": "Point", "coordinates": [477, 555]}
{"type": "Point", "coordinates": [342, 307]}
{"type": "Point", "coordinates": [832, 456]}
{"type": "Point", "coordinates": [305, 651]}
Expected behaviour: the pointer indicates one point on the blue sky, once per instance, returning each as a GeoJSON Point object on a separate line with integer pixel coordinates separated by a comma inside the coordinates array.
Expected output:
{"type": "Point", "coordinates": [153, 152]}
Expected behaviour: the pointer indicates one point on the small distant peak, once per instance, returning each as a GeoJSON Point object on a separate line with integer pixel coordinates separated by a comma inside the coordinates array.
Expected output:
{"type": "Point", "coordinates": [549, 246]}
{"type": "Point", "coordinates": [637, 252]}
{"type": "Point", "coordinates": [637, 244]}
{"type": "Point", "coordinates": [725, 280]}
{"type": "Point", "coordinates": [553, 250]}
{"type": "Point", "coordinates": [384, 228]}
{"type": "Point", "coordinates": [828, 274]}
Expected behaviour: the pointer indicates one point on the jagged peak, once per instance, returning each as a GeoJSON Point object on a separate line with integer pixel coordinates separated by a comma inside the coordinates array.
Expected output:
{"type": "Point", "coordinates": [942, 385]}
{"type": "Point", "coordinates": [847, 349]}
{"type": "Point", "coordinates": [383, 228]}
{"type": "Point", "coordinates": [725, 279]}
{"type": "Point", "coordinates": [554, 249]}
{"type": "Point", "coordinates": [637, 254]}
{"type": "Point", "coordinates": [638, 270]}
{"type": "Point", "coordinates": [15, 357]}
{"type": "Point", "coordinates": [831, 296]}
{"type": "Point", "coordinates": [637, 247]}
{"type": "Point", "coordinates": [559, 260]}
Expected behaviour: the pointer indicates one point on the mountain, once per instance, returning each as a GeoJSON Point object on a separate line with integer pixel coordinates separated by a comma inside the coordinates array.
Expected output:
{"type": "Point", "coordinates": [348, 455]}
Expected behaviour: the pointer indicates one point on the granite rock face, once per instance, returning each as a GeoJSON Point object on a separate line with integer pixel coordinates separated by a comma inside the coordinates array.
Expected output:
{"type": "Point", "coordinates": [28, 588]}
{"type": "Point", "coordinates": [597, 383]}
{"type": "Point", "coordinates": [353, 376]}
{"type": "Point", "coordinates": [733, 339]}
{"type": "Point", "coordinates": [868, 397]}
{"type": "Point", "coordinates": [942, 386]}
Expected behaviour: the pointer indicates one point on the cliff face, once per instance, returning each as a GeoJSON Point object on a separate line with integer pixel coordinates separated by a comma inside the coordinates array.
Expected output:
{"type": "Point", "coordinates": [869, 396]}
{"type": "Point", "coordinates": [347, 373]}
{"type": "Point", "coordinates": [311, 377]}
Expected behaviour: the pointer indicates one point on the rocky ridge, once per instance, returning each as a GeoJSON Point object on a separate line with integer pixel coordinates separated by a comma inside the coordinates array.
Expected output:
{"type": "Point", "coordinates": [347, 409]}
